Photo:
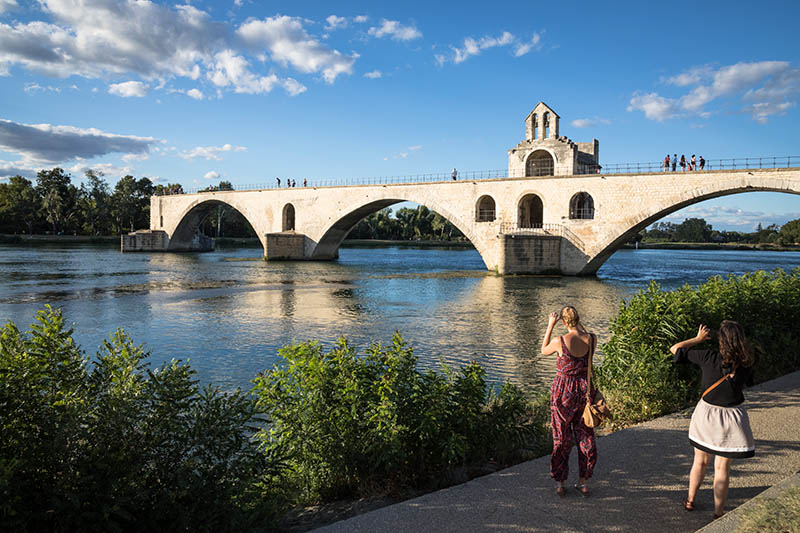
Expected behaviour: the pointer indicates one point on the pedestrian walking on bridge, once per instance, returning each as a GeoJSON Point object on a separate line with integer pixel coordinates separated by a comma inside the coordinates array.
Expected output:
{"type": "Point", "coordinates": [720, 427]}
{"type": "Point", "coordinates": [568, 399]}
{"type": "Point", "coordinates": [454, 174]}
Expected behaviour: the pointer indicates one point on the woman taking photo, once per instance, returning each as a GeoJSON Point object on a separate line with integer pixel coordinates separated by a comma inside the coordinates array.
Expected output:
{"type": "Point", "coordinates": [719, 426]}
{"type": "Point", "coordinates": [568, 399]}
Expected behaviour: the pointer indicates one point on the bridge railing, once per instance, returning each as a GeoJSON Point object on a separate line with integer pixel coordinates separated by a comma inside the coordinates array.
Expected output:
{"type": "Point", "coordinates": [733, 163]}
{"type": "Point", "coordinates": [556, 230]}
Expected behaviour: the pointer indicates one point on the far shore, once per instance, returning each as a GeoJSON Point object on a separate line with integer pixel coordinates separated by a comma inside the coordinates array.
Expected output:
{"type": "Point", "coordinates": [253, 242]}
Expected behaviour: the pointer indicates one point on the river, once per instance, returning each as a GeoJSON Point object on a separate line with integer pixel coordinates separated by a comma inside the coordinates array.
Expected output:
{"type": "Point", "coordinates": [228, 312]}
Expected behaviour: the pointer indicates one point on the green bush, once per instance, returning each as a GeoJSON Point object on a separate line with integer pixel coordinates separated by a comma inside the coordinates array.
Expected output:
{"type": "Point", "coordinates": [364, 425]}
{"type": "Point", "coordinates": [637, 374]}
{"type": "Point", "coordinates": [113, 445]}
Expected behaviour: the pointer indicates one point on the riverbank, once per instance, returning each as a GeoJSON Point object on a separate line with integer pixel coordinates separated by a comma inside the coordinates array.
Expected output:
{"type": "Point", "coordinates": [58, 239]}
{"type": "Point", "coordinates": [763, 247]}
{"type": "Point", "coordinates": [640, 479]}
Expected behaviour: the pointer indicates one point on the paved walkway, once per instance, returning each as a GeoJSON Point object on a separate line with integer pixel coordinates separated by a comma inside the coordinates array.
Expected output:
{"type": "Point", "coordinates": [639, 482]}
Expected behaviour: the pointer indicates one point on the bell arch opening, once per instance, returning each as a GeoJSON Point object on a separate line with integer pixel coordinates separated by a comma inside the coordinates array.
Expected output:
{"type": "Point", "coordinates": [287, 219]}
{"type": "Point", "coordinates": [206, 221]}
{"type": "Point", "coordinates": [540, 163]}
{"type": "Point", "coordinates": [530, 211]}
{"type": "Point", "coordinates": [581, 206]}
{"type": "Point", "coordinates": [485, 210]}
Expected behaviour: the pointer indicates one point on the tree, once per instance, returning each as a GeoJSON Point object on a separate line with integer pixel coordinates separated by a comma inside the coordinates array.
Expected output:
{"type": "Point", "coordinates": [131, 201]}
{"type": "Point", "coordinates": [693, 230]}
{"type": "Point", "coordinates": [222, 210]}
{"type": "Point", "coordinates": [790, 232]}
{"type": "Point", "coordinates": [94, 204]}
{"type": "Point", "coordinates": [58, 198]}
{"type": "Point", "coordinates": [19, 205]}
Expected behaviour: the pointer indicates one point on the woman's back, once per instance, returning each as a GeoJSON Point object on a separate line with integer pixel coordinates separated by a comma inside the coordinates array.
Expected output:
{"type": "Point", "coordinates": [577, 344]}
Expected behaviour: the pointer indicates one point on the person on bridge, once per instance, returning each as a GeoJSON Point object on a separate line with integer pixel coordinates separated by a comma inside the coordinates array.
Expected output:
{"type": "Point", "coordinates": [666, 163]}
{"type": "Point", "coordinates": [279, 181]}
{"type": "Point", "coordinates": [568, 399]}
{"type": "Point", "coordinates": [674, 161]}
{"type": "Point", "coordinates": [454, 174]}
{"type": "Point", "coordinates": [693, 163]}
{"type": "Point", "coordinates": [305, 182]}
{"type": "Point", "coordinates": [702, 163]}
{"type": "Point", "coordinates": [720, 427]}
{"type": "Point", "coordinates": [683, 163]}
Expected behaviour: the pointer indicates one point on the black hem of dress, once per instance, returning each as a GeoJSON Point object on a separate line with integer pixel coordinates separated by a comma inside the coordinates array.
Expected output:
{"type": "Point", "coordinates": [729, 455]}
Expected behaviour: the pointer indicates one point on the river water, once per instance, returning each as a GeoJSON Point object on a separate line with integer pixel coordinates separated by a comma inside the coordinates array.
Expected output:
{"type": "Point", "coordinates": [228, 313]}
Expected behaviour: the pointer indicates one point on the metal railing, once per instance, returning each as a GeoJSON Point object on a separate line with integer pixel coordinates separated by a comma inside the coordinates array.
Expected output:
{"type": "Point", "coordinates": [555, 230]}
{"type": "Point", "coordinates": [486, 215]}
{"type": "Point", "coordinates": [472, 175]}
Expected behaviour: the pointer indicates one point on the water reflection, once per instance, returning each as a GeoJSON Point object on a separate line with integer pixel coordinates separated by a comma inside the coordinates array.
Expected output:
{"type": "Point", "coordinates": [229, 312]}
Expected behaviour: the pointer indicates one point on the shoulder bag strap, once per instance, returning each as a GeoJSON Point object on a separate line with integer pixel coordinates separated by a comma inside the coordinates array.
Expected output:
{"type": "Point", "coordinates": [718, 382]}
{"type": "Point", "coordinates": [592, 342]}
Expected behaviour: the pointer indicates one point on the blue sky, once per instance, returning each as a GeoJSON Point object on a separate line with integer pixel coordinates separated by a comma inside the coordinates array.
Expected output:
{"type": "Point", "coordinates": [246, 91]}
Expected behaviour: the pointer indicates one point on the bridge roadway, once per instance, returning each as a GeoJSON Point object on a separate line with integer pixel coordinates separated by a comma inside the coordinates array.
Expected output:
{"type": "Point", "coordinates": [566, 224]}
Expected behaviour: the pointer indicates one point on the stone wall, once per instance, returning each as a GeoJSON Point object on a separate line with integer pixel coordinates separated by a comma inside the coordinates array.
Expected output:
{"type": "Point", "coordinates": [144, 241]}
{"type": "Point", "coordinates": [531, 254]}
{"type": "Point", "coordinates": [284, 245]}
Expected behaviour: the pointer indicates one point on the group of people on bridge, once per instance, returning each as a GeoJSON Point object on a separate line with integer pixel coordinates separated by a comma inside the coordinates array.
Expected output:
{"type": "Point", "coordinates": [720, 427]}
{"type": "Point", "coordinates": [291, 183]}
{"type": "Point", "coordinates": [692, 163]}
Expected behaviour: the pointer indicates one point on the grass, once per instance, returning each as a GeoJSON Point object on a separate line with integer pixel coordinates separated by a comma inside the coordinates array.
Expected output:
{"type": "Point", "coordinates": [774, 515]}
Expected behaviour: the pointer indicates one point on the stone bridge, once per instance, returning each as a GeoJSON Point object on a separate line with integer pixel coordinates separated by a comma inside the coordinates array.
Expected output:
{"type": "Point", "coordinates": [569, 224]}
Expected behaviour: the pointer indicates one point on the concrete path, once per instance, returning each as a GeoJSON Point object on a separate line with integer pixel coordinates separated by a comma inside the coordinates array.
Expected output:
{"type": "Point", "coordinates": [638, 485]}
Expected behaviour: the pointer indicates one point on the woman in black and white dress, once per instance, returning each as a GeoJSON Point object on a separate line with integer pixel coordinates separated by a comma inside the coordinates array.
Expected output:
{"type": "Point", "coordinates": [720, 425]}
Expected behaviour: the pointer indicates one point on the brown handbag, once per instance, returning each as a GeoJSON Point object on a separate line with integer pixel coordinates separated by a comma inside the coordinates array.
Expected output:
{"type": "Point", "coordinates": [596, 411]}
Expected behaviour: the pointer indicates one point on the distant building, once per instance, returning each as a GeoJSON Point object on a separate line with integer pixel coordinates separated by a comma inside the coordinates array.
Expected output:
{"type": "Point", "coordinates": [544, 153]}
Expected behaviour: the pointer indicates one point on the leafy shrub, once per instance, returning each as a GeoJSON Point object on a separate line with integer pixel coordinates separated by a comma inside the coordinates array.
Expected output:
{"type": "Point", "coordinates": [113, 445]}
{"type": "Point", "coordinates": [637, 374]}
{"type": "Point", "coordinates": [371, 424]}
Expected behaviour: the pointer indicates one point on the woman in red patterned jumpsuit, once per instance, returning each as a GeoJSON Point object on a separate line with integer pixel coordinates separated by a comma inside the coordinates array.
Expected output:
{"type": "Point", "coordinates": [568, 399]}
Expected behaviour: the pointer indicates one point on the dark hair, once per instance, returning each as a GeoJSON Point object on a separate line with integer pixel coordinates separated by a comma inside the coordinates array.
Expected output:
{"type": "Point", "coordinates": [733, 345]}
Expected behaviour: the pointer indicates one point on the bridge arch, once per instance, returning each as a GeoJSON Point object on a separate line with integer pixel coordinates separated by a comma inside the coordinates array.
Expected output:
{"type": "Point", "coordinates": [327, 245]}
{"type": "Point", "coordinates": [620, 233]}
{"type": "Point", "coordinates": [186, 229]}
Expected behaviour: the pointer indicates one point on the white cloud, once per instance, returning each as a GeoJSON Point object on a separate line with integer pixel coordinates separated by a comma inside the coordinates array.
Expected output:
{"type": "Point", "coordinates": [105, 39]}
{"type": "Point", "coordinates": [135, 157]}
{"type": "Point", "coordinates": [288, 44]}
{"type": "Point", "coordinates": [195, 93]}
{"type": "Point", "coordinates": [588, 122]}
{"type": "Point", "coordinates": [211, 152]}
{"type": "Point", "coordinates": [473, 47]}
{"type": "Point", "coordinates": [360, 19]}
{"type": "Point", "coordinates": [7, 5]}
{"type": "Point", "coordinates": [374, 74]}
{"type": "Point", "coordinates": [35, 87]}
{"type": "Point", "coordinates": [129, 89]}
{"type": "Point", "coordinates": [104, 169]}
{"type": "Point", "coordinates": [335, 22]}
{"type": "Point", "coordinates": [770, 86]}
{"type": "Point", "coordinates": [293, 87]}
{"type": "Point", "coordinates": [415, 148]}
{"type": "Point", "coordinates": [404, 154]}
{"type": "Point", "coordinates": [395, 30]}
{"type": "Point", "coordinates": [523, 48]}
{"type": "Point", "coordinates": [46, 143]}
{"type": "Point", "coordinates": [211, 175]}
{"type": "Point", "coordinates": [655, 107]}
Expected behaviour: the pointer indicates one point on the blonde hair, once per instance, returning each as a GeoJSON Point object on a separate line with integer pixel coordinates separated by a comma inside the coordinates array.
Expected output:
{"type": "Point", "coordinates": [570, 316]}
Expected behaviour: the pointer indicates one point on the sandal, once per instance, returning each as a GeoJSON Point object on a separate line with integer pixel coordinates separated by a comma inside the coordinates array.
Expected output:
{"type": "Point", "coordinates": [718, 515]}
{"type": "Point", "coordinates": [583, 488]}
{"type": "Point", "coordinates": [688, 505]}
{"type": "Point", "coordinates": [560, 491]}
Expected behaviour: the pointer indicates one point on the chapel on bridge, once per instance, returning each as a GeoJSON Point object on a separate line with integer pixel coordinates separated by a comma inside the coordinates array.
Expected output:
{"type": "Point", "coordinates": [545, 153]}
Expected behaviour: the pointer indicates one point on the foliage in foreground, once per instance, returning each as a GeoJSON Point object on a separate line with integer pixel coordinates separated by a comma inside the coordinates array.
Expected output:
{"type": "Point", "coordinates": [361, 425]}
{"type": "Point", "coordinates": [112, 445]}
{"type": "Point", "coordinates": [773, 515]}
{"type": "Point", "coordinates": [638, 376]}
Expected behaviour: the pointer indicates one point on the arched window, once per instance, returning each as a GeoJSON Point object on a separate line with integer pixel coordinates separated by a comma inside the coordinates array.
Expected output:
{"type": "Point", "coordinates": [531, 212]}
{"type": "Point", "coordinates": [288, 217]}
{"type": "Point", "coordinates": [485, 209]}
{"type": "Point", "coordinates": [539, 163]}
{"type": "Point", "coordinates": [581, 206]}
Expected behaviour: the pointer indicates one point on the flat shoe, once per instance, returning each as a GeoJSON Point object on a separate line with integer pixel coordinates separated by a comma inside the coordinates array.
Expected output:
{"type": "Point", "coordinates": [584, 490]}
{"type": "Point", "coordinates": [560, 491]}
{"type": "Point", "coordinates": [689, 506]}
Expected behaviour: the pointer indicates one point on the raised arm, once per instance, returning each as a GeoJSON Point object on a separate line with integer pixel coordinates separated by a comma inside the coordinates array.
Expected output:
{"type": "Point", "coordinates": [703, 333]}
{"type": "Point", "coordinates": [548, 346]}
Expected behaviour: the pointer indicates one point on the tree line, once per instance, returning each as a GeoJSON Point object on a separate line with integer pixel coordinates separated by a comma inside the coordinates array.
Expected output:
{"type": "Point", "coordinates": [698, 230]}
